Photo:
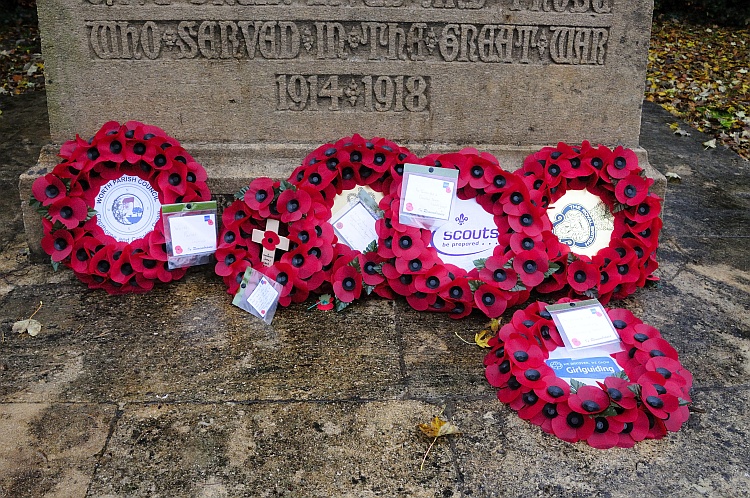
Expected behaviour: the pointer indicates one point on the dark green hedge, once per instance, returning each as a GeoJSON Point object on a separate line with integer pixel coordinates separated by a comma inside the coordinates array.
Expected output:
{"type": "Point", "coordinates": [724, 12]}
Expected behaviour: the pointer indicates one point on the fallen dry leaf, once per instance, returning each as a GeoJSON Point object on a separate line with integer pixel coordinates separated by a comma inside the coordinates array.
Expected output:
{"type": "Point", "coordinates": [438, 428]}
{"type": "Point", "coordinates": [673, 176]}
{"type": "Point", "coordinates": [31, 326]}
{"type": "Point", "coordinates": [711, 144]}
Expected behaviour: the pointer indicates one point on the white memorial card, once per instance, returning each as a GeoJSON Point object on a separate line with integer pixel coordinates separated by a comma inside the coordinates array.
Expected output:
{"type": "Point", "coordinates": [584, 324]}
{"type": "Point", "coordinates": [355, 226]}
{"type": "Point", "coordinates": [194, 234]}
{"type": "Point", "coordinates": [263, 297]}
{"type": "Point", "coordinates": [428, 197]}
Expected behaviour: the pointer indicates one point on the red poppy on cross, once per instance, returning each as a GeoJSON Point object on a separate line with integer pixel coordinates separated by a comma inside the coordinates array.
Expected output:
{"type": "Point", "coordinates": [270, 240]}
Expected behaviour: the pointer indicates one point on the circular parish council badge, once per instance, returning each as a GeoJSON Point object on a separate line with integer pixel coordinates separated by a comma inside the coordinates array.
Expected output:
{"type": "Point", "coordinates": [582, 221]}
{"type": "Point", "coordinates": [127, 208]}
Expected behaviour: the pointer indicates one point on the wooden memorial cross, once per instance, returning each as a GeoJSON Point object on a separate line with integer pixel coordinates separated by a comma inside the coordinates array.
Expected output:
{"type": "Point", "coordinates": [269, 255]}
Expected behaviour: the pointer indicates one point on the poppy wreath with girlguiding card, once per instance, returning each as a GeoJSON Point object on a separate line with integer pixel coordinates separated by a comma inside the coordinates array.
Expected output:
{"type": "Point", "coordinates": [314, 261]}
{"type": "Point", "coordinates": [413, 267]}
{"type": "Point", "coordinates": [73, 232]}
{"type": "Point", "coordinates": [647, 399]}
{"type": "Point", "coordinates": [614, 176]}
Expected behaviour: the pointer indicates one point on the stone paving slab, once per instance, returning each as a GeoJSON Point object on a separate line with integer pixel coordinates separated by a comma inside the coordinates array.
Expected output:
{"type": "Point", "coordinates": [179, 393]}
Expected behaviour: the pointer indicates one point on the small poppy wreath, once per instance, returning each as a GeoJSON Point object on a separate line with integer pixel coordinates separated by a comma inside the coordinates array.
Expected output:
{"type": "Point", "coordinates": [414, 269]}
{"type": "Point", "coordinates": [66, 198]}
{"type": "Point", "coordinates": [649, 398]}
{"type": "Point", "coordinates": [614, 176]}
{"type": "Point", "coordinates": [313, 261]}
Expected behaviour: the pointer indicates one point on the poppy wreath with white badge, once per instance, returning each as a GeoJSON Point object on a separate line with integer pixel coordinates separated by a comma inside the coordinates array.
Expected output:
{"type": "Point", "coordinates": [644, 401]}
{"type": "Point", "coordinates": [313, 261]}
{"type": "Point", "coordinates": [617, 192]}
{"type": "Point", "coordinates": [414, 268]}
{"type": "Point", "coordinates": [101, 206]}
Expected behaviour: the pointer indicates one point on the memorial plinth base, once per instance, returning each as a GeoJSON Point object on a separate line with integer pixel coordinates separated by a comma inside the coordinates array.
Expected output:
{"type": "Point", "coordinates": [231, 166]}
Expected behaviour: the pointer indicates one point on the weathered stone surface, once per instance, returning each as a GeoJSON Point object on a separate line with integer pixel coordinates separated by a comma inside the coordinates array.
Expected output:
{"type": "Point", "coordinates": [498, 72]}
{"type": "Point", "coordinates": [249, 87]}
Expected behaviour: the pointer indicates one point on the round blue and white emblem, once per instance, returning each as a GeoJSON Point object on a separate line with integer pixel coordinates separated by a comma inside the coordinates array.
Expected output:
{"type": "Point", "coordinates": [582, 221]}
{"type": "Point", "coordinates": [127, 208]}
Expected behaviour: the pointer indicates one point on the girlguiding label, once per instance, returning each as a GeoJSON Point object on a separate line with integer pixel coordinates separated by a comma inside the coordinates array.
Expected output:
{"type": "Point", "coordinates": [582, 221]}
{"type": "Point", "coordinates": [586, 370]}
{"type": "Point", "coordinates": [469, 234]}
{"type": "Point", "coordinates": [127, 208]}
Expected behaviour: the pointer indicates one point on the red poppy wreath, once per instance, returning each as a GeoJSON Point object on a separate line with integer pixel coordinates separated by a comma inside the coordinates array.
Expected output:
{"type": "Point", "coordinates": [647, 399]}
{"type": "Point", "coordinates": [606, 223]}
{"type": "Point", "coordinates": [440, 271]}
{"type": "Point", "coordinates": [101, 205]}
{"type": "Point", "coordinates": [299, 249]}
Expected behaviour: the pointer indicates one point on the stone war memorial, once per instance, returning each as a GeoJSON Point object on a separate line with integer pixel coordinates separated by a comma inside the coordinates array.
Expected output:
{"type": "Point", "coordinates": [251, 86]}
{"type": "Point", "coordinates": [460, 154]}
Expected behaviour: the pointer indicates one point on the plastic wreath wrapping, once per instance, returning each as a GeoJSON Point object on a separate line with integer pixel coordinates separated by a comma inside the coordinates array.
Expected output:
{"type": "Point", "coordinates": [101, 205]}
{"type": "Point", "coordinates": [645, 401]}
{"type": "Point", "coordinates": [605, 220]}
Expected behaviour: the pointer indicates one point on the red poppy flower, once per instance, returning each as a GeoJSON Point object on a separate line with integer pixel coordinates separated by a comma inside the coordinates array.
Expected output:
{"type": "Point", "coordinates": [260, 193]}
{"type": "Point", "coordinates": [618, 392]}
{"type": "Point", "coordinates": [622, 163]}
{"type": "Point", "coordinates": [122, 270]}
{"type": "Point", "coordinates": [47, 189]}
{"type": "Point", "coordinates": [582, 274]}
{"type": "Point", "coordinates": [70, 211]}
{"type": "Point", "coordinates": [490, 300]}
{"type": "Point", "coordinates": [671, 370]}
{"type": "Point", "coordinates": [606, 433]}
{"type": "Point", "coordinates": [347, 284]}
{"type": "Point", "coordinates": [511, 391]}
{"type": "Point", "coordinates": [458, 290]}
{"type": "Point", "coordinates": [304, 264]}
{"type": "Point", "coordinates": [555, 390]}
{"type": "Point", "coordinates": [530, 405]}
{"type": "Point", "coordinates": [651, 348]}
{"type": "Point", "coordinates": [647, 210]}
{"type": "Point", "coordinates": [58, 244]}
{"type": "Point", "coordinates": [635, 431]}
{"type": "Point", "coordinates": [172, 181]}
{"type": "Point", "coordinates": [572, 426]}
{"type": "Point", "coordinates": [495, 273]}
{"type": "Point", "coordinates": [227, 259]}
{"type": "Point", "coordinates": [531, 266]}
{"type": "Point", "coordinates": [422, 263]}
{"type": "Point", "coordinates": [531, 221]}
{"type": "Point", "coordinates": [589, 400]}
{"type": "Point", "coordinates": [658, 396]}
{"type": "Point", "coordinates": [632, 190]}
{"type": "Point", "coordinates": [293, 204]}
{"type": "Point", "coordinates": [421, 301]}
{"type": "Point", "coordinates": [270, 240]}
{"type": "Point", "coordinates": [434, 280]}
{"type": "Point", "coordinates": [534, 377]}
{"type": "Point", "coordinates": [285, 275]}
{"type": "Point", "coordinates": [410, 244]}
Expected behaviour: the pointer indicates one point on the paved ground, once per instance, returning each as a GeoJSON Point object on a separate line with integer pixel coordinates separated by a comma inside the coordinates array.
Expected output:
{"type": "Point", "coordinates": [178, 393]}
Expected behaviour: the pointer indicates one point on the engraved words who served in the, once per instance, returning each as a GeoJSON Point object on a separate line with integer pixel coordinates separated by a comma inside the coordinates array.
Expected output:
{"type": "Point", "coordinates": [581, 42]}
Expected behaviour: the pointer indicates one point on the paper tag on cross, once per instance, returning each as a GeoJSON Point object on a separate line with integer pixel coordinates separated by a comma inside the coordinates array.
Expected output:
{"type": "Point", "coordinates": [269, 255]}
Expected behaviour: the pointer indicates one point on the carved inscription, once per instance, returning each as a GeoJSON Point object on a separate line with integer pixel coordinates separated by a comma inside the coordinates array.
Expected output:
{"type": "Point", "coordinates": [425, 4]}
{"type": "Point", "coordinates": [347, 93]}
{"type": "Point", "coordinates": [376, 41]}
{"type": "Point", "coordinates": [572, 6]}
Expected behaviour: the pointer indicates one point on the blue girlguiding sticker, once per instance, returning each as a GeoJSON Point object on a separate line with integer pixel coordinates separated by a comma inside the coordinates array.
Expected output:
{"type": "Point", "coordinates": [597, 368]}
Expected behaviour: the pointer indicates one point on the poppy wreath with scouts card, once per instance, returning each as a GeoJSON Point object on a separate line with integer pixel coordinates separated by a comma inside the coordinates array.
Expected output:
{"type": "Point", "coordinates": [490, 253]}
